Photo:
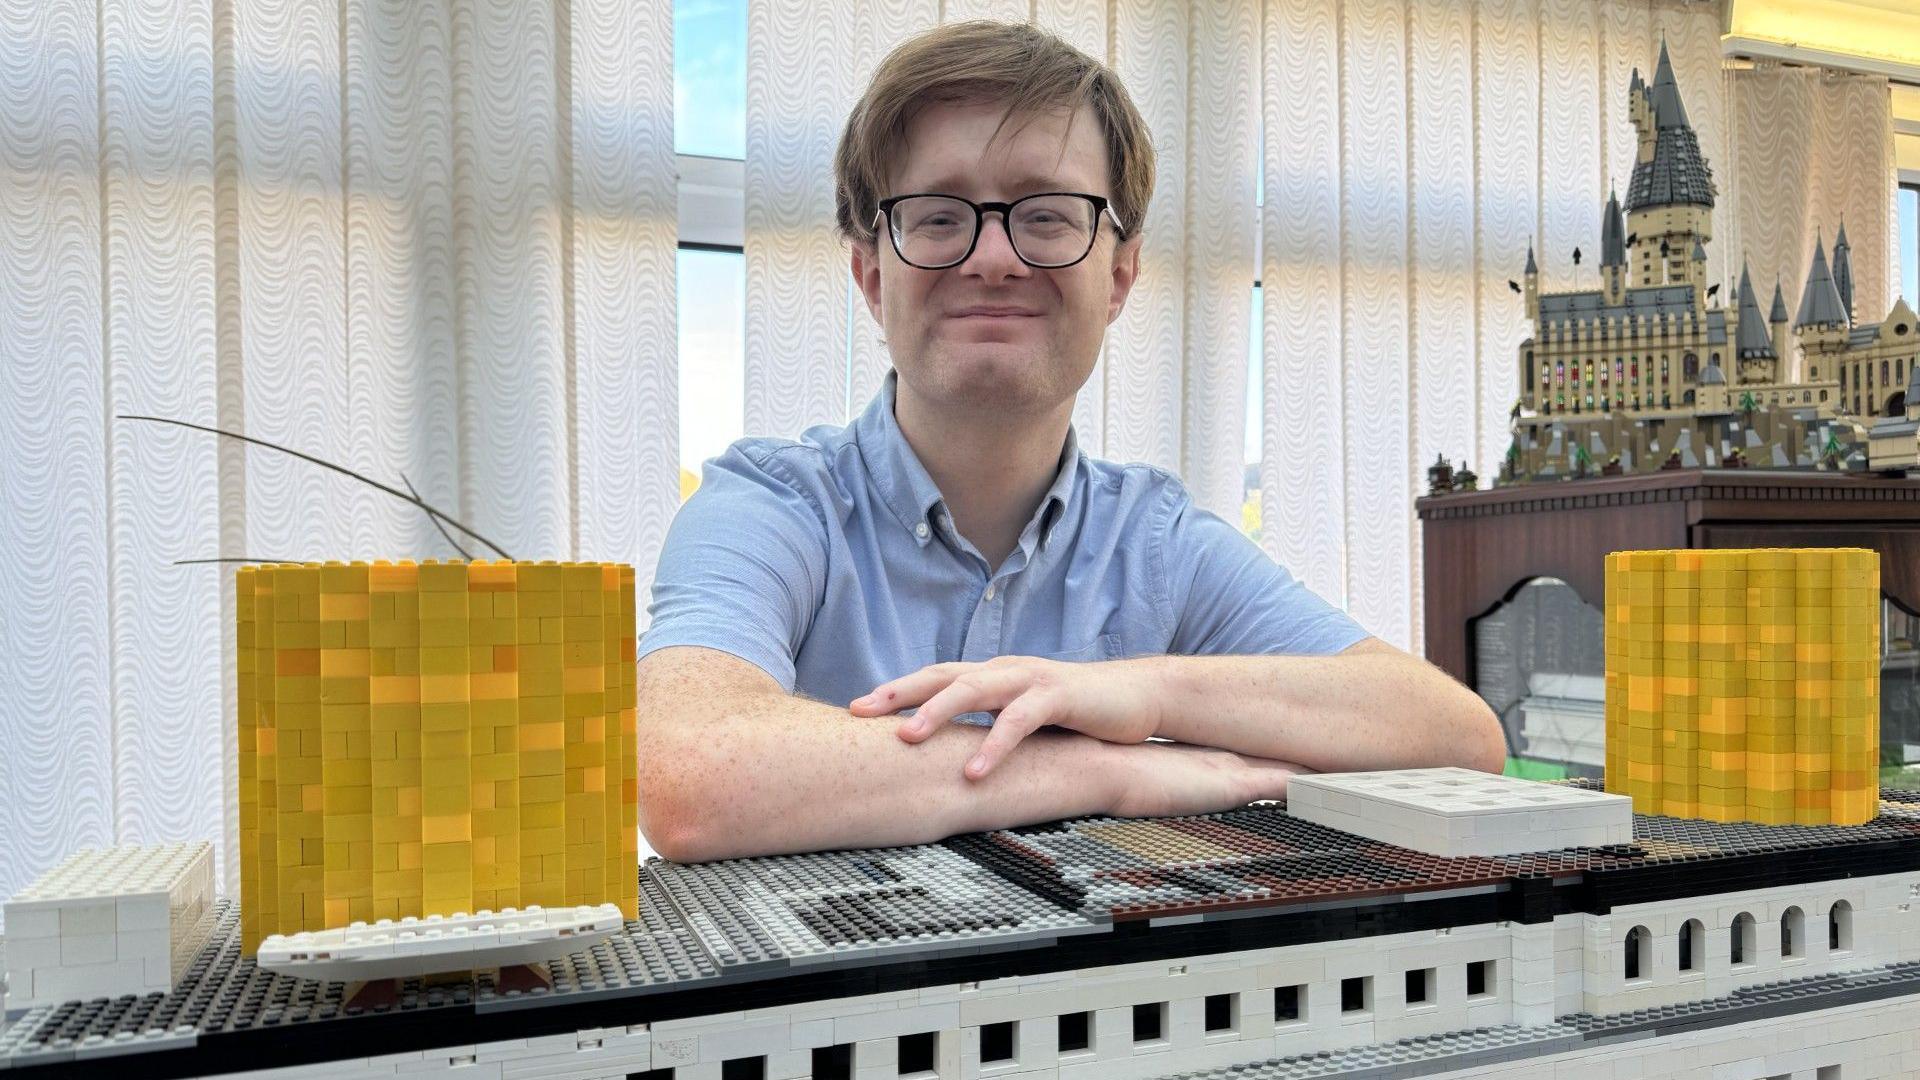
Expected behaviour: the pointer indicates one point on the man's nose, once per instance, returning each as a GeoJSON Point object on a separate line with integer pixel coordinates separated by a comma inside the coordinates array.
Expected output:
{"type": "Point", "coordinates": [993, 256]}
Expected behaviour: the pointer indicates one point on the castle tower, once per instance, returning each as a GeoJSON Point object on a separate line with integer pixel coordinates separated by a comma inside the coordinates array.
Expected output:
{"type": "Point", "coordinates": [1531, 280]}
{"type": "Point", "coordinates": [1613, 251]}
{"type": "Point", "coordinates": [1670, 199]}
{"type": "Point", "coordinates": [1843, 271]}
{"type": "Point", "coordinates": [1777, 321]}
{"type": "Point", "coordinates": [1821, 325]}
{"type": "Point", "coordinates": [1756, 359]}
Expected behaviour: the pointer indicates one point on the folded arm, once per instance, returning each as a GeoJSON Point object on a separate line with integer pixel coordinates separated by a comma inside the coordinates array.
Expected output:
{"type": "Point", "coordinates": [732, 766]}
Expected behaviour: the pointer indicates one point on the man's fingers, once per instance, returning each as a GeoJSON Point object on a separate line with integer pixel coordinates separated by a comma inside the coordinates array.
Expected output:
{"type": "Point", "coordinates": [908, 690]}
{"type": "Point", "coordinates": [1016, 721]}
{"type": "Point", "coordinates": [976, 691]}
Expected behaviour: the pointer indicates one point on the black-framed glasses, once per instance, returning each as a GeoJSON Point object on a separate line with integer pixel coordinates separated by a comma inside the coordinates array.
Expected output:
{"type": "Point", "coordinates": [1048, 230]}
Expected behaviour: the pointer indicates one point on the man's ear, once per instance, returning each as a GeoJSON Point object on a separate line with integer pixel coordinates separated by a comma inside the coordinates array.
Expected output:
{"type": "Point", "coordinates": [1126, 269]}
{"type": "Point", "coordinates": [866, 275]}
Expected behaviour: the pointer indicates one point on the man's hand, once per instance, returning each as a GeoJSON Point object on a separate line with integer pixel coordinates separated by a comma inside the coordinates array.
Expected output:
{"type": "Point", "coordinates": [1112, 700]}
{"type": "Point", "coordinates": [1176, 780]}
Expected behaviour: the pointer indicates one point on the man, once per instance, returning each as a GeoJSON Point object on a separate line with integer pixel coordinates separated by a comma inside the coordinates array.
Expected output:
{"type": "Point", "coordinates": [952, 554]}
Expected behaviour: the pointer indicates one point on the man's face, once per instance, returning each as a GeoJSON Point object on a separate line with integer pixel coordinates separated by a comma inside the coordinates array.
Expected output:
{"type": "Point", "coordinates": [1010, 364]}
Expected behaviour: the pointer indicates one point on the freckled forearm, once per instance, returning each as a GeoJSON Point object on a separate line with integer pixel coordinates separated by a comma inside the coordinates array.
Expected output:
{"type": "Point", "coordinates": [769, 775]}
{"type": "Point", "coordinates": [1329, 713]}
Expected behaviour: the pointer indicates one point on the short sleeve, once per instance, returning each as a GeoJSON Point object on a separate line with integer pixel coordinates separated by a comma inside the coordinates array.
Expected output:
{"type": "Point", "coordinates": [1229, 598]}
{"type": "Point", "coordinates": [744, 565]}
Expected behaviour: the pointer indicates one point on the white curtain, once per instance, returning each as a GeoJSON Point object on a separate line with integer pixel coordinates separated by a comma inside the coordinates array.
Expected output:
{"type": "Point", "coordinates": [1815, 150]}
{"type": "Point", "coordinates": [421, 237]}
{"type": "Point", "coordinates": [437, 237]}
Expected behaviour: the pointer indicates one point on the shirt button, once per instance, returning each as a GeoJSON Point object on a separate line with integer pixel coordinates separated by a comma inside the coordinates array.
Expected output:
{"type": "Point", "coordinates": [989, 592]}
{"type": "Point", "coordinates": [920, 530]}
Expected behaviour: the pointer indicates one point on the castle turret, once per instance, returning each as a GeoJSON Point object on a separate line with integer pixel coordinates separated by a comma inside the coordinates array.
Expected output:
{"type": "Point", "coordinates": [1671, 197]}
{"type": "Point", "coordinates": [1756, 359]}
{"type": "Point", "coordinates": [1613, 251]}
{"type": "Point", "coordinates": [1530, 278]}
{"type": "Point", "coordinates": [1820, 303]}
{"type": "Point", "coordinates": [1777, 323]}
{"type": "Point", "coordinates": [1843, 271]}
{"type": "Point", "coordinates": [1821, 325]}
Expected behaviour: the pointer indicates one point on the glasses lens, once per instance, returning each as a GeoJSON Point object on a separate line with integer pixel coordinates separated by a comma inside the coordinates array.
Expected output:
{"type": "Point", "coordinates": [932, 230]}
{"type": "Point", "coordinates": [1052, 230]}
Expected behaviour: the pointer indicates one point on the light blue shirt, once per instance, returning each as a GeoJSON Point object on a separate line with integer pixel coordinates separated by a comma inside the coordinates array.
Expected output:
{"type": "Point", "coordinates": [832, 564]}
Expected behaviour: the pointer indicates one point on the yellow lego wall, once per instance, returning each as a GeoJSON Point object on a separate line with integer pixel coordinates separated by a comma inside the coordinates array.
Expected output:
{"type": "Point", "coordinates": [434, 738]}
{"type": "Point", "coordinates": [1744, 685]}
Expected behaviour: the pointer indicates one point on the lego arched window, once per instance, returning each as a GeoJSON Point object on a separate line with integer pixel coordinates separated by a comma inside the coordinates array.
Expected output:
{"type": "Point", "coordinates": [1840, 926]}
{"type": "Point", "coordinates": [1742, 943]}
{"type": "Point", "coordinates": [1896, 404]}
{"type": "Point", "coordinates": [1716, 360]}
{"type": "Point", "coordinates": [1690, 367]}
{"type": "Point", "coordinates": [1559, 371]}
{"type": "Point", "coordinates": [1884, 380]}
{"type": "Point", "coordinates": [1686, 398]}
{"type": "Point", "coordinates": [1806, 397]}
{"type": "Point", "coordinates": [1793, 932]}
{"type": "Point", "coordinates": [1639, 953]}
{"type": "Point", "coordinates": [1692, 936]}
{"type": "Point", "coordinates": [1823, 395]}
{"type": "Point", "coordinates": [1663, 369]}
{"type": "Point", "coordinates": [1843, 378]}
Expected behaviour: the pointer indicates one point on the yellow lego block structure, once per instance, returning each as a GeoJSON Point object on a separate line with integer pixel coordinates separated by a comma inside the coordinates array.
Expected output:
{"type": "Point", "coordinates": [1744, 685]}
{"type": "Point", "coordinates": [434, 738]}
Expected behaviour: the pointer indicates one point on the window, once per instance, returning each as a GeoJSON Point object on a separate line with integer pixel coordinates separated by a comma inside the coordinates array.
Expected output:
{"type": "Point", "coordinates": [1840, 926]}
{"type": "Point", "coordinates": [1288, 1003]}
{"type": "Point", "coordinates": [1074, 1032]}
{"type": "Point", "coordinates": [753, 1068]}
{"type": "Point", "coordinates": [1356, 994]}
{"type": "Point", "coordinates": [712, 296]}
{"type": "Point", "coordinates": [1255, 420]}
{"type": "Point", "coordinates": [1692, 936]}
{"type": "Point", "coordinates": [1741, 943]}
{"type": "Point", "coordinates": [709, 106]}
{"type": "Point", "coordinates": [1419, 986]}
{"type": "Point", "coordinates": [1220, 1010]}
{"type": "Point", "coordinates": [1149, 1022]}
{"type": "Point", "coordinates": [1639, 962]}
{"type": "Point", "coordinates": [833, 1062]}
{"type": "Point", "coordinates": [1793, 933]}
{"type": "Point", "coordinates": [918, 1052]}
{"type": "Point", "coordinates": [710, 78]}
{"type": "Point", "coordinates": [1480, 978]}
{"type": "Point", "coordinates": [996, 1042]}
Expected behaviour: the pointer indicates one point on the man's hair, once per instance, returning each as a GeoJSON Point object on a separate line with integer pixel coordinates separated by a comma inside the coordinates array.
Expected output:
{"type": "Point", "coordinates": [979, 62]}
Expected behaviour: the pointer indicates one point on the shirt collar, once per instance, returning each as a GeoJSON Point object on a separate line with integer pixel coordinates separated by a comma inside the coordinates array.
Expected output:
{"type": "Point", "coordinates": [909, 491]}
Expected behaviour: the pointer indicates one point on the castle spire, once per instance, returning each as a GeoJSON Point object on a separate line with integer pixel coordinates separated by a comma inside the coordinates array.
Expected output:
{"type": "Point", "coordinates": [1672, 172]}
{"type": "Point", "coordinates": [1779, 312]}
{"type": "Point", "coordinates": [1820, 301]}
{"type": "Point", "coordinates": [1751, 337]}
{"type": "Point", "coordinates": [1843, 270]}
{"type": "Point", "coordinates": [1532, 266]}
{"type": "Point", "coordinates": [1613, 233]}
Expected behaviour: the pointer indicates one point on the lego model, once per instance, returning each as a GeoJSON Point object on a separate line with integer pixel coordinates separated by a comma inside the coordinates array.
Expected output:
{"type": "Point", "coordinates": [432, 739]}
{"type": "Point", "coordinates": [123, 920]}
{"type": "Point", "coordinates": [1645, 372]}
{"type": "Point", "coordinates": [1250, 943]}
{"type": "Point", "coordinates": [461, 942]}
{"type": "Point", "coordinates": [1460, 812]}
{"type": "Point", "coordinates": [1745, 685]}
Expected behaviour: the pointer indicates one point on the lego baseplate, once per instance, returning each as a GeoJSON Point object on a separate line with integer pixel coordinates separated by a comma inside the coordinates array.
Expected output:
{"type": "Point", "coordinates": [1054, 897]}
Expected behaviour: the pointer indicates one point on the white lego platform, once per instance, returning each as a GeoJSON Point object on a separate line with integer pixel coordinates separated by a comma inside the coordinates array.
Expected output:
{"type": "Point", "coordinates": [1456, 812]}
{"type": "Point", "coordinates": [460, 942]}
{"type": "Point", "coordinates": [124, 920]}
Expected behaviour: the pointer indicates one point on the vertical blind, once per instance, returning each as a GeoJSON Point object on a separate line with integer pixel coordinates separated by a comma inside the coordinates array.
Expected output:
{"type": "Point", "coordinates": [436, 238]}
